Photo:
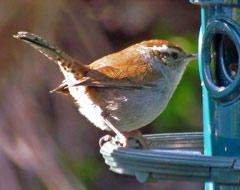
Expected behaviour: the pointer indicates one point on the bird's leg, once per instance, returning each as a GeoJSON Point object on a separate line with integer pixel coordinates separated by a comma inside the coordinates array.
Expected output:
{"type": "Point", "coordinates": [119, 139]}
{"type": "Point", "coordinates": [138, 135]}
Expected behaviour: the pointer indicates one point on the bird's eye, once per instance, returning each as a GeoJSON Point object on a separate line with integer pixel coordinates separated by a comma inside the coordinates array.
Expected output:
{"type": "Point", "coordinates": [174, 55]}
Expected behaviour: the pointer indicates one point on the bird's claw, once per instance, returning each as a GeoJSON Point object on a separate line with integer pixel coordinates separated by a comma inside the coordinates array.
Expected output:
{"type": "Point", "coordinates": [122, 141]}
{"type": "Point", "coordinates": [104, 139]}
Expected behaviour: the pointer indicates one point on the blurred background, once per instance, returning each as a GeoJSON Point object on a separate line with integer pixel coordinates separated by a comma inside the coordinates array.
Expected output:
{"type": "Point", "coordinates": [44, 142]}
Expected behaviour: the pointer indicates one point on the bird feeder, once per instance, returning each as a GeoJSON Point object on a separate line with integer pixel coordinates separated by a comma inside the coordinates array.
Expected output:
{"type": "Point", "coordinates": [184, 156]}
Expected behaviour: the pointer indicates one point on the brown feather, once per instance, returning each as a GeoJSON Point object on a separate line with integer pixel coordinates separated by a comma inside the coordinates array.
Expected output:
{"type": "Point", "coordinates": [126, 68]}
{"type": "Point", "coordinates": [62, 88]}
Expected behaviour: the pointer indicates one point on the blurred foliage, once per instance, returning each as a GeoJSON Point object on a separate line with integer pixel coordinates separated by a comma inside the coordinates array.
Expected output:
{"type": "Point", "coordinates": [181, 113]}
{"type": "Point", "coordinates": [85, 170]}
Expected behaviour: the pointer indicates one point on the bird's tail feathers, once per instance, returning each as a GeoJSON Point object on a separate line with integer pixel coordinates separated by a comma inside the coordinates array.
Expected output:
{"type": "Point", "coordinates": [62, 59]}
{"type": "Point", "coordinates": [42, 45]}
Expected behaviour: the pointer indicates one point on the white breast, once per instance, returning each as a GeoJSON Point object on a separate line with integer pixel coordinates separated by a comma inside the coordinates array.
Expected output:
{"type": "Point", "coordinates": [86, 106]}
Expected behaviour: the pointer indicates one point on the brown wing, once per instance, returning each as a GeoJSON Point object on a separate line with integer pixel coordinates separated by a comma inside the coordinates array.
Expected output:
{"type": "Point", "coordinates": [127, 68]}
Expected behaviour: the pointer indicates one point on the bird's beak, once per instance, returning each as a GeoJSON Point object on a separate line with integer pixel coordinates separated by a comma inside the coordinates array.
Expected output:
{"type": "Point", "coordinates": [191, 57]}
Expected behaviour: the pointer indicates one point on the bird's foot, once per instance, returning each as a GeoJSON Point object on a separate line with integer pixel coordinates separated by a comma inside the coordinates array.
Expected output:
{"type": "Point", "coordinates": [133, 139]}
{"type": "Point", "coordinates": [121, 140]}
{"type": "Point", "coordinates": [118, 140]}
{"type": "Point", "coordinates": [104, 139]}
{"type": "Point", "coordinates": [137, 140]}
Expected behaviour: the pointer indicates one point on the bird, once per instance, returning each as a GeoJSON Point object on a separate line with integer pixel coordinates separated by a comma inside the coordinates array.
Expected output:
{"type": "Point", "coordinates": [123, 91]}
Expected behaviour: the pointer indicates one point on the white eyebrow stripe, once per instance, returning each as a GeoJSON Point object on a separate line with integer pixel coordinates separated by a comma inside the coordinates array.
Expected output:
{"type": "Point", "coordinates": [162, 48]}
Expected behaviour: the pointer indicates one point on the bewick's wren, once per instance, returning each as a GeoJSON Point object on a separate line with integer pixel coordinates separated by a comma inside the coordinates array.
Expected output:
{"type": "Point", "coordinates": [123, 91]}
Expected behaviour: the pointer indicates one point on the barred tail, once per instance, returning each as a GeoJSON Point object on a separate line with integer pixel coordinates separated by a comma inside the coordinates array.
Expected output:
{"type": "Point", "coordinates": [42, 46]}
{"type": "Point", "coordinates": [62, 59]}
